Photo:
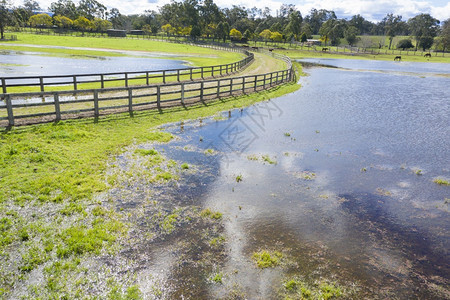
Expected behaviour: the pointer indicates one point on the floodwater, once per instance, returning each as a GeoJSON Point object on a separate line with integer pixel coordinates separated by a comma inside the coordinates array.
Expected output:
{"type": "Point", "coordinates": [345, 191]}
{"type": "Point", "coordinates": [17, 63]}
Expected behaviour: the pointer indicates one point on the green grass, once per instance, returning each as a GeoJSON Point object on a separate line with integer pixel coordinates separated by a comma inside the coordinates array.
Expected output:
{"type": "Point", "coordinates": [299, 54]}
{"type": "Point", "coordinates": [50, 173]}
{"type": "Point", "coordinates": [265, 259]}
{"type": "Point", "coordinates": [441, 181]}
{"type": "Point", "coordinates": [207, 213]}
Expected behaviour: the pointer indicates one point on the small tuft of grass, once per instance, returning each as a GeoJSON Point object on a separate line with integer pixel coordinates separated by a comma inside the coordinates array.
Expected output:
{"type": "Point", "coordinates": [164, 176]}
{"type": "Point", "coordinates": [209, 151]}
{"type": "Point", "coordinates": [266, 259]}
{"type": "Point", "coordinates": [145, 152]}
{"type": "Point", "coordinates": [217, 278]}
{"type": "Point", "coordinates": [239, 178]}
{"type": "Point", "coordinates": [184, 166]}
{"type": "Point", "coordinates": [441, 181]}
{"type": "Point", "coordinates": [418, 172]}
{"type": "Point", "coordinates": [268, 159]}
{"type": "Point", "coordinates": [287, 134]}
{"type": "Point", "coordinates": [207, 213]}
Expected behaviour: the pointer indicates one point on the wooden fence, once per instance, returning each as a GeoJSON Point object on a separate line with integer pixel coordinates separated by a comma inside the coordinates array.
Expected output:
{"type": "Point", "coordinates": [128, 78]}
{"type": "Point", "coordinates": [40, 107]}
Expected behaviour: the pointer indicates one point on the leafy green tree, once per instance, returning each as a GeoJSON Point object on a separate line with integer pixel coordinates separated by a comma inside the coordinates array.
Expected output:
{"type": "Point", "coordinates": [303, 38]}
{"type": "Point", "coordinates": [6, 16]}
{"type": "Point", "coordinates": [248, 35]}
{"type": "Point", "coordinates": [331, 30]}
{"type": "Point", "coordinates": [83, 24]}
{"type": "Point", "coordinates": [350, 35]}
{"type": "Point", "coordinates": [91, 9]}
{"type": "Point", "coordinates": [276, 36]}
{"type": "Point", "coordinates": [195, 32]}
{"type": "Point", "coordinates": [424, 28]}
{"type": "Point", "coordinates": [316, 18]}
{"type": "Point", "coordinates": [235, 34]}
{"type": "Point", "coordinates": [40, 20]}
{"type": "Point", "coordinates": [62, 22]}
{"type": "Point", "coordinates": [31, 5]}
{"type": "Point", "coordinates": [100, 25]}
{"type": "Point", "coordinates": [405, 44]}
{"type": "Point", "coordinates": [265, 35]}
{"type": "Point", "coordinates": [222, 30]}
{"type": "Point", "coordinates": [445, 35]}
{"type": "Point", "coordinates": [64, 8]}
{"type": "Point", "coordinates": [167, 29]}
{"type": "Point", "coordinates": [392, 26]}
{"type": "Point", "coordinates": [295, 23]}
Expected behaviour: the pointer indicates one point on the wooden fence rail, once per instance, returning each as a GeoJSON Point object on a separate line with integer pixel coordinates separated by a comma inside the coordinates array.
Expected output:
{"type": "Point", "coordinates": [128, 78]}
{"type": "Point", "coordinates": [40, 107]}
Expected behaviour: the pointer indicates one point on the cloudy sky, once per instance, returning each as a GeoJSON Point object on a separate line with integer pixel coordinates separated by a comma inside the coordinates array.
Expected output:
{"type": "Point", "coordinates": [373, 10]}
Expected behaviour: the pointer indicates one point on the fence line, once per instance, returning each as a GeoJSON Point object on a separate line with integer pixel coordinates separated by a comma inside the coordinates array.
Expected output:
{"type": "Point", "coordinates": [143, 77]}
{"type": "Point", "coordinates": [54, 106]}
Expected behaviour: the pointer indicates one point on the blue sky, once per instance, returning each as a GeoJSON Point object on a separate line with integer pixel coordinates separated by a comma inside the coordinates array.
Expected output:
{"type": "Point", "coordinates": [373, 10]}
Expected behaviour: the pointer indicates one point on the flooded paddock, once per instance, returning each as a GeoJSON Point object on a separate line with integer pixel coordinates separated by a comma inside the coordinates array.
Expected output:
{"type": "Point", "coordinates": [337, 183]}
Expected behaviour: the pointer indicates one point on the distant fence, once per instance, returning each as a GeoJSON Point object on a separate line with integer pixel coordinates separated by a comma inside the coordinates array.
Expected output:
{"type": "Point", "coordinates": [40, 107]}
{"type": "Point", "coordinates": [128, 78]}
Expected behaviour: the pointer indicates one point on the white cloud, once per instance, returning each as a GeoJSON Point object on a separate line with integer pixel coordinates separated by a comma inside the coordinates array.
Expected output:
{"type": "Point", "coordinates": [373, 10]}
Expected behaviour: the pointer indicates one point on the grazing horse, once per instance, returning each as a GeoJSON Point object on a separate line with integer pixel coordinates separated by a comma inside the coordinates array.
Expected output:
{"type": "Point", "coordinates": [324, 49]}
{"type": "Point", "coordinates": [399, 58]}
{"type": "Point", "coordinates": [427, 55]}
{"type": "Point", "coordinates": [271, 49]}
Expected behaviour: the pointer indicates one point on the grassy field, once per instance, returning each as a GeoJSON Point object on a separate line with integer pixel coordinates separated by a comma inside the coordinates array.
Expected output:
{"type": "Point", "coordinates": [195, 56]}
{"type": "Point", "coordinates": [298, 54]}
{"type": "Point", "coordinates": [52, 220]}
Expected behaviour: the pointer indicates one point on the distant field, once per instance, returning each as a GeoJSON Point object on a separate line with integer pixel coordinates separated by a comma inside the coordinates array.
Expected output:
{"type": "Point", "coordinates": [197, 56]}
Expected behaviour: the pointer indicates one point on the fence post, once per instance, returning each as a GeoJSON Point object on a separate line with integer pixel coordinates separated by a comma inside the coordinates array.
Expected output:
{"type": "Point", "coordinates": [190, 73]}
{"type": "Point", "coordinates": [201, 91]}
{"type": "Point", "coordinates": [231, 86]}
{"type": "Point", "coordinates": [218, 88]}
{"type": "Point", "coordinates": [201, 70]}
{"type": "Point", "coordinates": [271, 78]}
{"type": "Point", "coordinates": [126, 79]}
{"type": "Point", "coordinates": [146, 77]}
{"type": "Point", "coordinates": [243, 85]}
{"type": "Point", "coordinates": [103, 81]}
{"type": "Point", "coordinates": [221, 70]}
{"type": "Point", "coordinates": [256, 82]}
{"type": "Point", "coordinates": [75, 83]}
{"type": "Point", "coordinates": [164, 76]}
{"type": "Point", "coordinates": [57, 107]}
{"type": "Point", "coordinates": [96, 110]}
{"type": "Point", "coordinates": [182, 93]}
{"type": "Point", "coordinates": [4, 85]}
{"type": "Point", "coordinates": [212, 71]}
{"type": "Point", "coordinates": [41, 83]}
{"type": "Point", "coordinates": [9, 108]}
{"type": "Point", "coordinates": [264, 85]}
{"type": "Point", "coordinates": [178, 75]}
{"type": "Point", "coordinates": [158, 96]}
{"type": "Point", "coordinates": [130, 100]}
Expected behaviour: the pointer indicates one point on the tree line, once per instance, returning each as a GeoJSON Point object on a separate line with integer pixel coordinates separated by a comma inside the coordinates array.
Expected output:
{"type": "Point", "coordinates": [196, 19]}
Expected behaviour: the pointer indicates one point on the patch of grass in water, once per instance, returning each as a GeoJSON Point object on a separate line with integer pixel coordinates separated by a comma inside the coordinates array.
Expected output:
{"type": "Point", "coordinates": [216, 278]}
{"type": "Point", "coordinates": [208, 213]}
{"type": "Point", "coordinates": [184, 166]}
{"type": "Point", "coordinates": [441, 181]}
{"type": "Point", "coordinates": [145, 152]}
{"type": "Point", "coordinates": [268, 159]}
{"type": "Point", "coordinates": [266, 259]}
{"type": "Point", "coordinates": [239, 178]}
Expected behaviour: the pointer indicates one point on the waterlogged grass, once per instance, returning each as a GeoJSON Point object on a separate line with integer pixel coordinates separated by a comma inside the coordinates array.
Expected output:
{"type": "Point", "coordinates": [49, 175]}
{"type": "Point", "coordinates": [265, 259]}
{"type": "Point", "coordinates": [208, 213]}
{"type": "Point", "coordinates": [441, 181]}
{"type": "Point", "coordinates": [299, 289]}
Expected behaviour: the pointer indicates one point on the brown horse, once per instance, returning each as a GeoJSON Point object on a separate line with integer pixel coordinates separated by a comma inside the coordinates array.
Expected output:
{"type": "Point", "coordinates": [399, 58]}
{"type": "Point", "coordinates": [324, 49]}
{"type": "Point", "coordinates": [427, 55]}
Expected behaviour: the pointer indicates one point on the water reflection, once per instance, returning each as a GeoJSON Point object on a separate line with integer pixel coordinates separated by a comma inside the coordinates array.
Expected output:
{"type": "Point", "coordinates": [344, 199]}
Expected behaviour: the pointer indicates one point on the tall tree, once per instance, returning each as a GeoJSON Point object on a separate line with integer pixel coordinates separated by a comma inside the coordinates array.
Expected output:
{"type": "Point", "coordinates": [317, 17]}
{"type": "Point", "coordinates": [6, 16]}
{"type": "Point", "coordinates": [332, 30]}
{"type": "Point", "coordinates": [64, 8]}
{"type": "Point", "coordinates": [445, 35]}
{"type": "Point", "coordinates": [392, 26]}
{"type": "Point", "coordinates": [91, 9]}
{"type": "Point", "coordinates": [295, 24]}
{"type": "Point", "coordinates": [424, 28]}
{"type": "Point", "coordinates": [31, 5]}
{"type": "Point", "coordinates": [350, 35]}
